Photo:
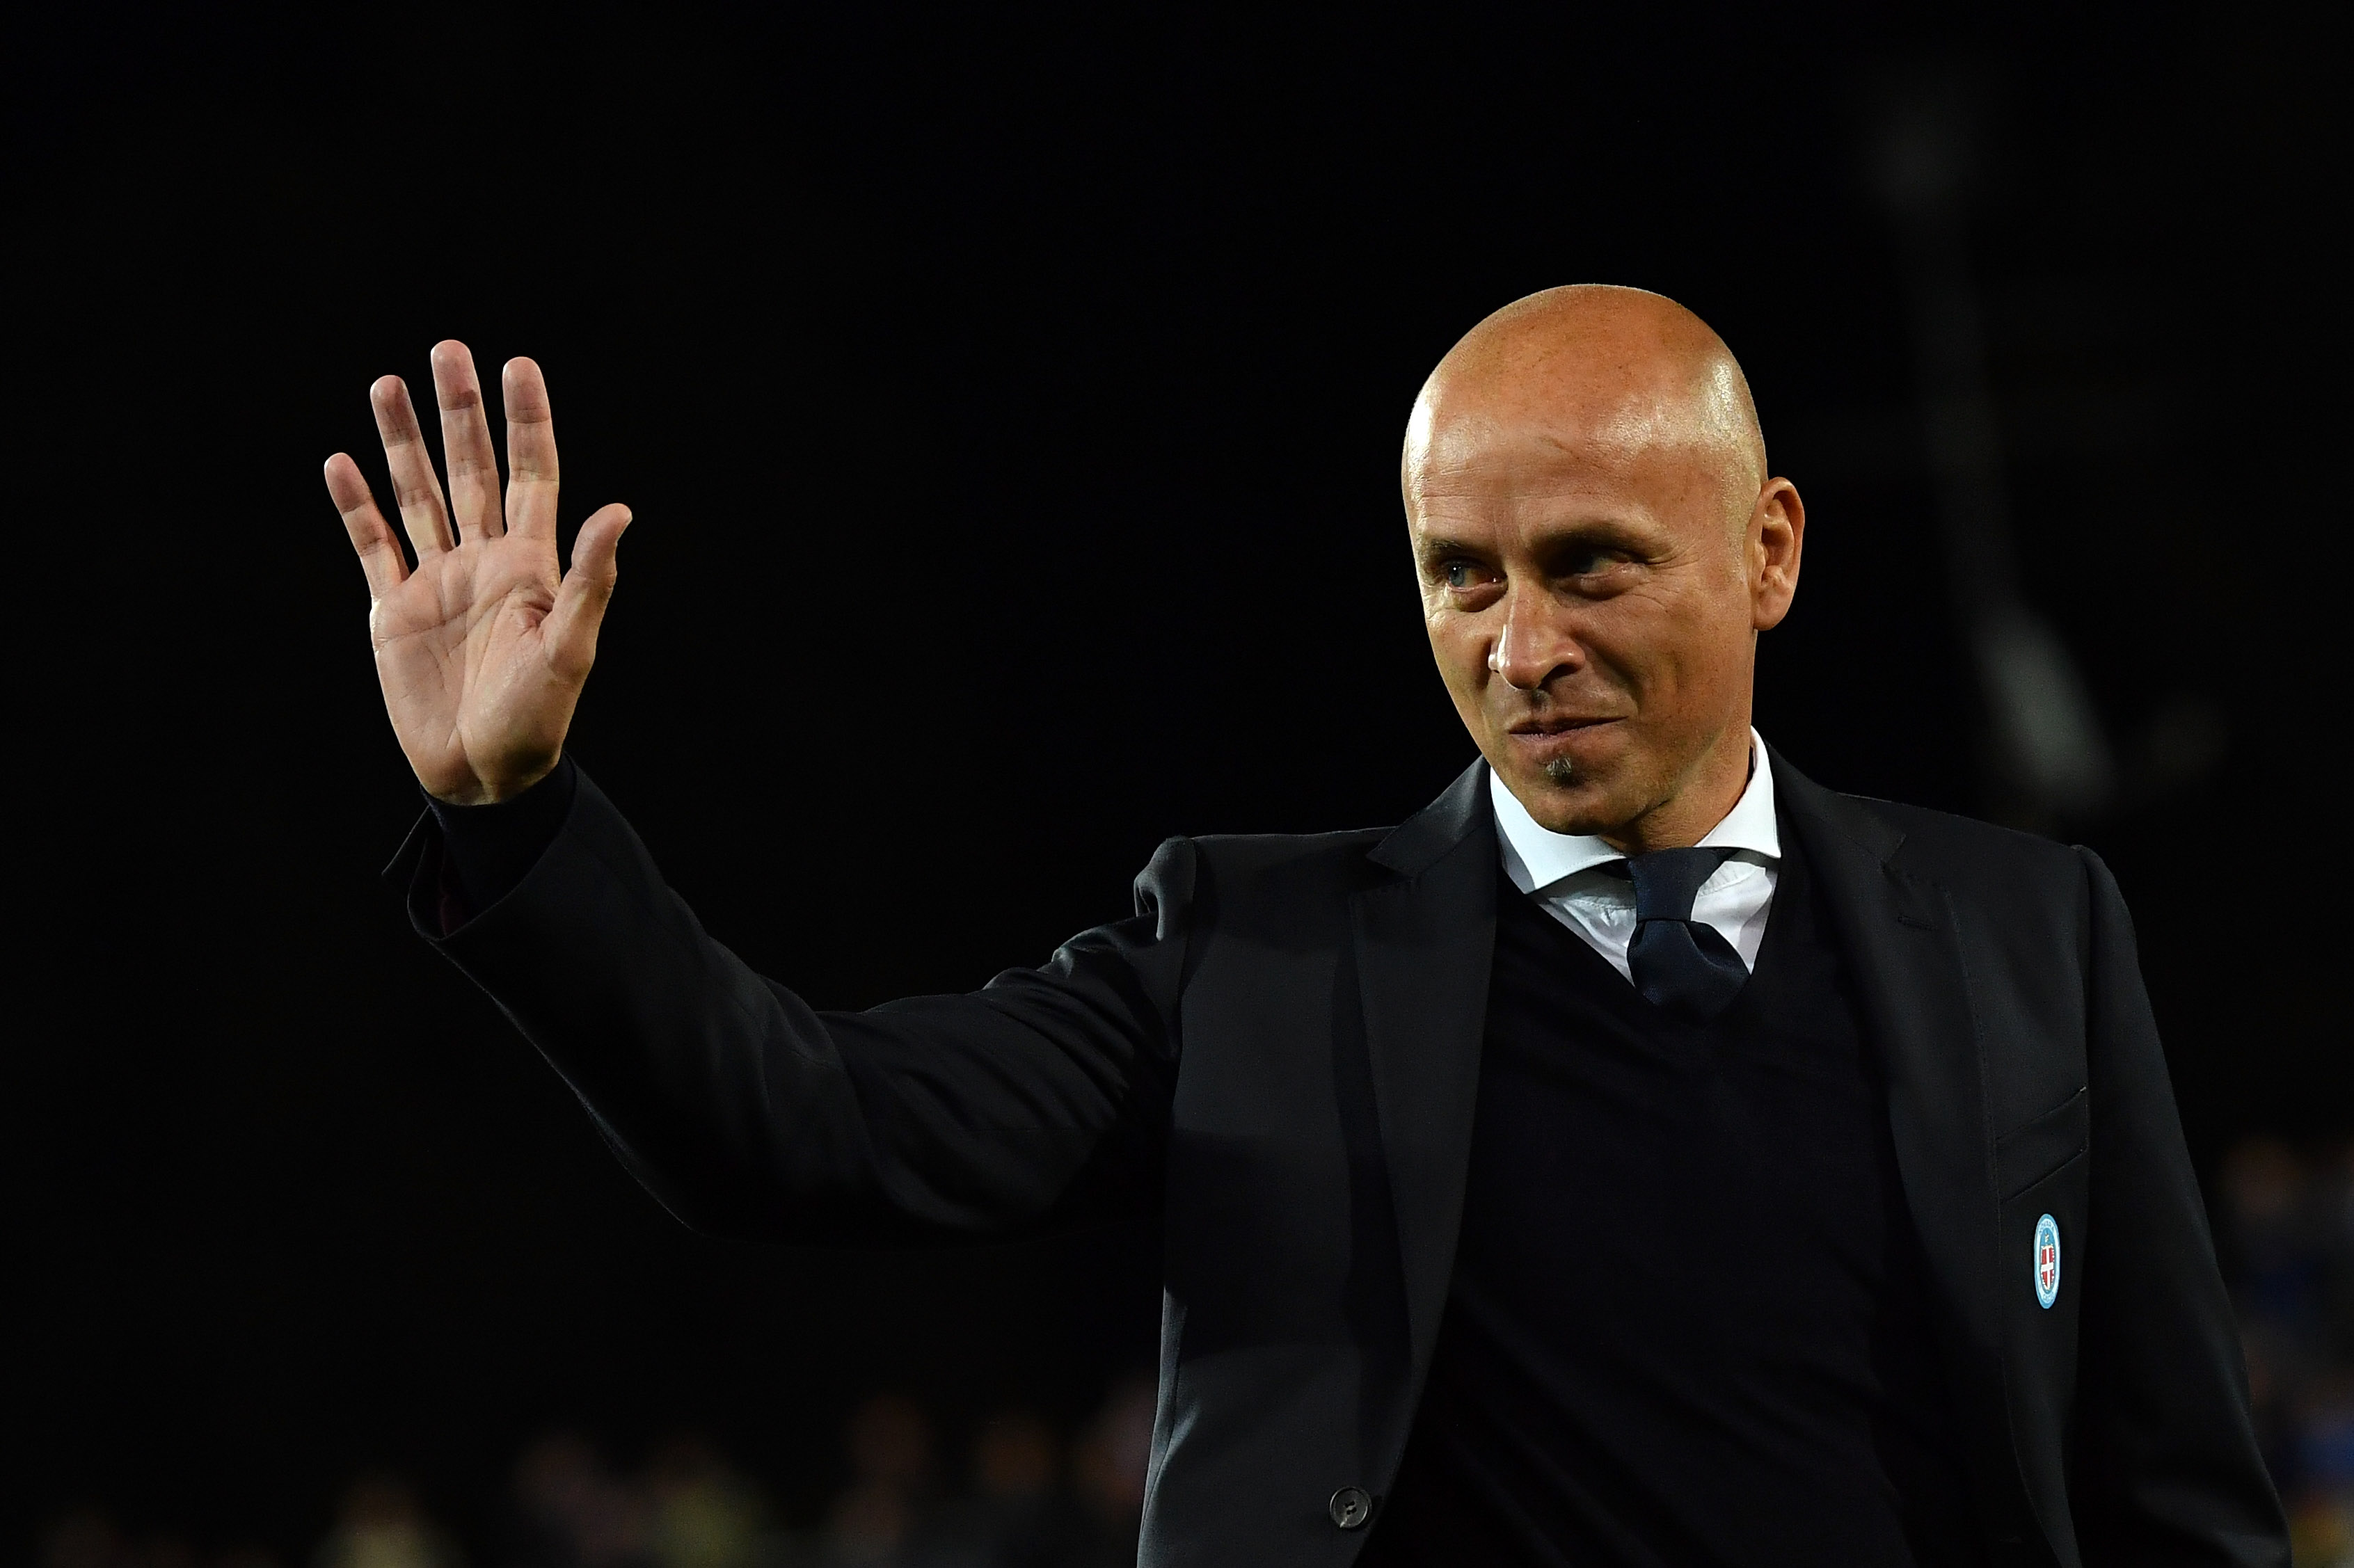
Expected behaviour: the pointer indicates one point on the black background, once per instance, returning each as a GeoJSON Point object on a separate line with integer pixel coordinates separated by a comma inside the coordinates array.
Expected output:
{"type": "Point", "coordinates": [1009, 406]}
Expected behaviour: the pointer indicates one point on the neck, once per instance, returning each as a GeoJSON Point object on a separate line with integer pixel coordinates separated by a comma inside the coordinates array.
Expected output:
{"type": "Point", "coordinates": [1703, 798]}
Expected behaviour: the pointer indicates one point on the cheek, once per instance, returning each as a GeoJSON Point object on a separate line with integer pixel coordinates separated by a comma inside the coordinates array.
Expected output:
{"type": "Point", "coordinates": [1692, 653]}
{"type": "Point", "coordinates": [1461, 647]}
{"type": "Point", "coordinates": [1631, 639]}
{"type": "Point", "coordinates": [1663, 646]}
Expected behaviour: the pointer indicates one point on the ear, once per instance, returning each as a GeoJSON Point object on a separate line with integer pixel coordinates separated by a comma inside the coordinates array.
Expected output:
{"type": "Point", "coordinates": [1778, 535]}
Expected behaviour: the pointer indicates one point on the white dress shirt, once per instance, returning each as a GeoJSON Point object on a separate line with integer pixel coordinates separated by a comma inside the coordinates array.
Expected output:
{"type": "Point", "coordinates": [1565, 873]}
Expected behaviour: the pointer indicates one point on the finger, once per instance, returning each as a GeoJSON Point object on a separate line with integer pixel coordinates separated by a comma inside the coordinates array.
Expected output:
{"type": "Point", "coordinates": [415, 491]}
{"type": "Point", "coordinates": [379, 552]}
{"type": "Point", "coordinates": [531, 451]}
{"type": "Point", "coordinates": [466, 442]}
{"type": "Point", "coordinates": [588, 588]}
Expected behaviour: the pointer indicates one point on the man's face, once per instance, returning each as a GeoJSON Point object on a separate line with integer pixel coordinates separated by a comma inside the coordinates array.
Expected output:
{"type": "Point", "coordinates": [1593, 596]}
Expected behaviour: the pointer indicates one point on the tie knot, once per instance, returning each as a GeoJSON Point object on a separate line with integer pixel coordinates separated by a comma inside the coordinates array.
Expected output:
{"type": "Point", "coordinates": [1667, 881]}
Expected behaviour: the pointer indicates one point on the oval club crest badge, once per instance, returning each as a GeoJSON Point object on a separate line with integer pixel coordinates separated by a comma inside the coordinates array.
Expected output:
{"type": "Point", "coordinates": [2047, 1262]}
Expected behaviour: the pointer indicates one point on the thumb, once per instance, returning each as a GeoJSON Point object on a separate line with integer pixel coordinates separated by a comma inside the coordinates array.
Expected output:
{"type": "Point", "coordinates": [586, 590]}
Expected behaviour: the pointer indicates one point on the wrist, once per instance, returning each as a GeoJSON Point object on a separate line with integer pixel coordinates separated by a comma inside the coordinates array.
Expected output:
{"type": "Point", "coordinates": [488, 848]}
{"type": "Point", "coordinates": [475, 790]}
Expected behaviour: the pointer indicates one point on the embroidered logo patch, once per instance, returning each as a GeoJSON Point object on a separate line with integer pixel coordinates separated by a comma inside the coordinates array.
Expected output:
{"type": "Point", "coordinates": [2047, 1262]}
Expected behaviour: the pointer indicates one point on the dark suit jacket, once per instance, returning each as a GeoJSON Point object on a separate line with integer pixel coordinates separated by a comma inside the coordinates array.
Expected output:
{"type": "Point", "coordinates": [1279, 1052]}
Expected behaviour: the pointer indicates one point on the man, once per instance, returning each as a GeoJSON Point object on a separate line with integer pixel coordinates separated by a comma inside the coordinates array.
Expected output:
{"type": "Point", "coordinates": [1642, 1155]}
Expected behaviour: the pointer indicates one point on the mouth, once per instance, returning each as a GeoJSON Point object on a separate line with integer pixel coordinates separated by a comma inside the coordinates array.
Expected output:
{"type": "Point", "coordinates": [1557, 741]}
{"type": "Point", "coordinates": [1553, 725]}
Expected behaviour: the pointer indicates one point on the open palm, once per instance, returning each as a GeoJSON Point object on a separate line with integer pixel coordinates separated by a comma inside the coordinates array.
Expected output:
{"type": "Point", "coordinates": [483, 645]}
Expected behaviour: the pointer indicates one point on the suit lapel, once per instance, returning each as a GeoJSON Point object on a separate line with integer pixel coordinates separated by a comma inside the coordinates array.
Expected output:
{"type": "Point", "coordinates": [1426, 942]}
{"type": "Point", "coordinates": [1901, 934]}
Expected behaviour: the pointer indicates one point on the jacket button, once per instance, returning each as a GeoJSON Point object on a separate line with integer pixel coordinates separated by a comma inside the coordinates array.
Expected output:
{"type": "Point", "coordinates": [1351, 1507]}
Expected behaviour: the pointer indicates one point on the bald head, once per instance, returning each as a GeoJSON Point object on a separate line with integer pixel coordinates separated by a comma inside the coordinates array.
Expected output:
{"type": "Point", "coordinates": [1596, 366]}
{"type": "Point", "coordinates": [1599, 542]}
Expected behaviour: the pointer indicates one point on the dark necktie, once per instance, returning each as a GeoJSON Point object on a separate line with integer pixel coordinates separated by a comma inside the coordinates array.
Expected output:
{"type": "Point", "coordinates": [1678, 962]}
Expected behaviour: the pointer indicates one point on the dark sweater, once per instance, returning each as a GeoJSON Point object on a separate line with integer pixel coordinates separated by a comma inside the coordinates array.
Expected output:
{"type": "Point", "coordinates": [1688, 1324]}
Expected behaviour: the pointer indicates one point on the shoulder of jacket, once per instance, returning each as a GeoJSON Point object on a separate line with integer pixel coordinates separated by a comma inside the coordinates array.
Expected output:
{"type": "Point", "coordinates": [1237, 859]}
{"type": "Point", "coordinates": [1219, 878]}
{"type": "Point", "coordinates": [1955, 849]}
{"type": "Point", "coordinates": [1259, 854]}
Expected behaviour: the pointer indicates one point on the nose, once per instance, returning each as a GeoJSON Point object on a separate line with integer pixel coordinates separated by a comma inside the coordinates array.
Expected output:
{"type": "Point", "coordinates": [1532, 646]}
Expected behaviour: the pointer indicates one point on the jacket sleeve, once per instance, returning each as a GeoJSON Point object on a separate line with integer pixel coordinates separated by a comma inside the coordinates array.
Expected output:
{"type": "Point", "coordinates": [1035, 1103]}
{"type": "Point", "coordinates": [2167, 1465]}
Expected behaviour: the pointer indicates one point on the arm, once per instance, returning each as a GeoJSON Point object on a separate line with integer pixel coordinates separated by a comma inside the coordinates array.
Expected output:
{"type": "Point", "coordinates": [1033, 1102]}
{"type": "Point", "coordinates": [2167, 1465]}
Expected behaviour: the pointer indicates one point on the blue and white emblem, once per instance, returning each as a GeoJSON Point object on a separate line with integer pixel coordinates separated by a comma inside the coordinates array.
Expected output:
{"type": "Point", "coordinates": [2047, 1262]}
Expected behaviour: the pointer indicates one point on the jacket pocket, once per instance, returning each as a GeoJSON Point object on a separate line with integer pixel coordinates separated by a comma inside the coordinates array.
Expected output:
{"type": "Point", "coordinates": [2027, 1154]}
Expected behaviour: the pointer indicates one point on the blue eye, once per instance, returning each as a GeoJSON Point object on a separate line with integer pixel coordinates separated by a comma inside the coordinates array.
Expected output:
{"type": "Point", "coordinates": [1461, 574]}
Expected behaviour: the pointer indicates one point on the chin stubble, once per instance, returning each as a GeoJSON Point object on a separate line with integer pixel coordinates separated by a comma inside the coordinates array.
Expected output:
{"type": "Point", "coordinates": [1560, 771]}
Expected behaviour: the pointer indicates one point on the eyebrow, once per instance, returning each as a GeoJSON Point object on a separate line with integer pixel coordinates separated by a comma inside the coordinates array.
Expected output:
{"type": "Point", "coordinates": [1611, 531]}
{"type": "Point", "coordinates": [1429, 550]}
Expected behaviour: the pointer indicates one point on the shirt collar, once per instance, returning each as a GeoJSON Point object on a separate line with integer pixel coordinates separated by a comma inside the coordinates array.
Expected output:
{"type": "Point", "coordinates": [1535, 857]}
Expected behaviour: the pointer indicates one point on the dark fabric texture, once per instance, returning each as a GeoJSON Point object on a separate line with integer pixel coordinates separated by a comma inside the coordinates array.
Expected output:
{"type": "Point", "coordinates": [486, 850]}
{"type": "Point", "coordinates": [1279, 1054]}
{"type": "Point", "coordinates": [1680, 964]}
{"type": "Point", "coordinates": [1690, 1324]}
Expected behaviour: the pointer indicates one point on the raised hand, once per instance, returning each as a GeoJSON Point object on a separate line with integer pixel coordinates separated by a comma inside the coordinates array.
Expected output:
{"type": "Point", "coordinates": [483, 648]}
